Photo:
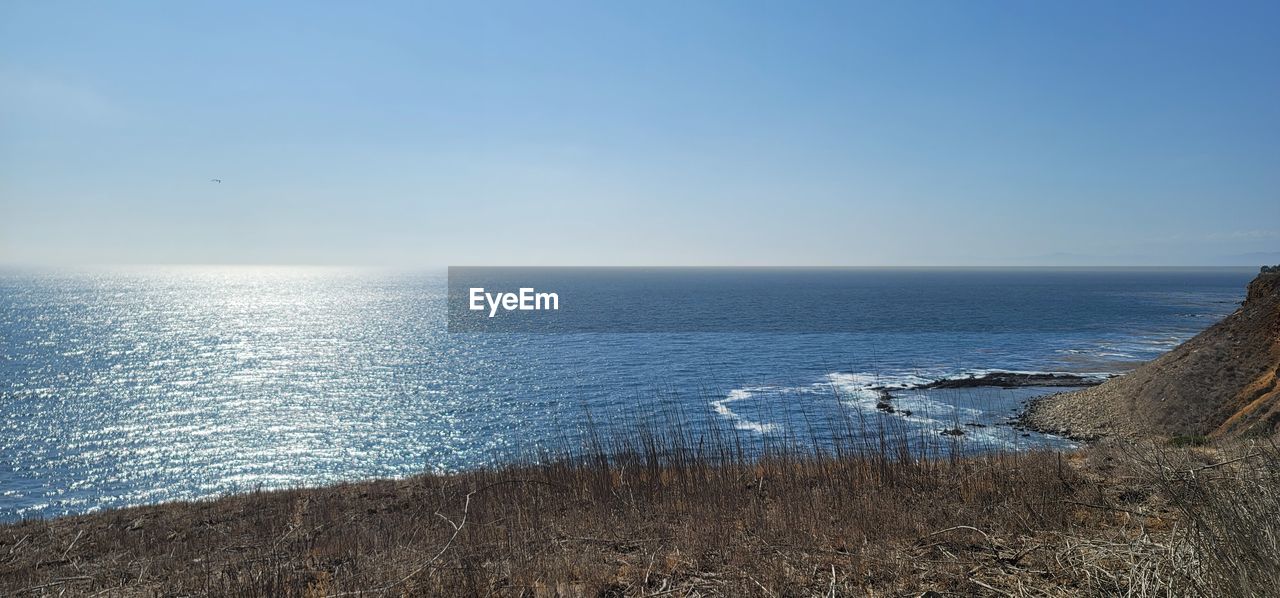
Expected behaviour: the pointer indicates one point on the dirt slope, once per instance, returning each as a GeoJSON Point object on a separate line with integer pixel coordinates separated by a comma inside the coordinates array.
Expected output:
{"type": "Point", "coordinates": [1221, 383]}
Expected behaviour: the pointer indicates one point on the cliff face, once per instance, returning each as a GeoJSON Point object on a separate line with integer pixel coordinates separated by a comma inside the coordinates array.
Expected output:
{"type": "Point", "coordinates": [1223, 382]}
{"type": "Point", "coordinates": [1256, 407]}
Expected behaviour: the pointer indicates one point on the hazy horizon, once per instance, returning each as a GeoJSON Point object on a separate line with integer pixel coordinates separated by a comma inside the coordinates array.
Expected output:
{"type": "Point", "coordinates": [751, 134]}
{"type": "Point", "coordinates": [442, 269]}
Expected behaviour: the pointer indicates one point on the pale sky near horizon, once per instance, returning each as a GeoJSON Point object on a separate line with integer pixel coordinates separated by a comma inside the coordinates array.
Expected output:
{"type": "Point", "coordinates": [641, 133]}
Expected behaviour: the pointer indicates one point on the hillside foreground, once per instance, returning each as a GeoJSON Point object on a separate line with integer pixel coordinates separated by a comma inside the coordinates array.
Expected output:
{"type": "Point", "coordinates": [1159, 521]}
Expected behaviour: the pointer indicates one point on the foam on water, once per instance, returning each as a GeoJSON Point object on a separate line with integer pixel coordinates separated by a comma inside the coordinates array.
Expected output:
{"type": "Point", "coordinates": [929, 411]}
{"type": "Point", "coordinates": [739, 422]}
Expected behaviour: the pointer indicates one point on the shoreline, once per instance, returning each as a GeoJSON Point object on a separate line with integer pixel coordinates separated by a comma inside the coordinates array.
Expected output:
{"type": "Point", "coordinates": [1222, 383]}
{"type": "Point", "coordinates": [1029, 419]}
{"type": "Point", "coordinates": [1023, 420]}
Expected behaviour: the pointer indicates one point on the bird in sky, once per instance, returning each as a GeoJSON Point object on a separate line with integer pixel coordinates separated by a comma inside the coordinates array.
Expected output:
{"type": "Point", "coordinates": [215, 180]}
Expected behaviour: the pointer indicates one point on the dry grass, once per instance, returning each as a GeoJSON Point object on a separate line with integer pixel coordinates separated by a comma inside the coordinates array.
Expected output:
{"type": "Point", "coordinates": [1229, 500]}
{"type": "Point", "coordinates": [679, 514]}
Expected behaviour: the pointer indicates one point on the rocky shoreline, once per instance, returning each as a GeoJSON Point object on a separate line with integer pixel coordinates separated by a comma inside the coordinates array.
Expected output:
{"type": "Point", "coordinates": [1224, 382]}
{"type": "Point", "coordinates": [999, 379]}
{"type": "Point", "coordinates": [1031, 420]}
{"type": "Point", "coordinates": [1016, 380]}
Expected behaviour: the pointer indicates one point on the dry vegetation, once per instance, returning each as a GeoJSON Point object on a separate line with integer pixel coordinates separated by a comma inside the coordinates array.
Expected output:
{"type": "Point", "coordinates": [1231, 510]}
{"type": "Point", "coordinates": [679, 515]}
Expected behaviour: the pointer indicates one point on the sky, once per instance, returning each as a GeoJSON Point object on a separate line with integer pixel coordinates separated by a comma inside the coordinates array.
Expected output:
{"type": "Point", "coordinates": [640, 133]}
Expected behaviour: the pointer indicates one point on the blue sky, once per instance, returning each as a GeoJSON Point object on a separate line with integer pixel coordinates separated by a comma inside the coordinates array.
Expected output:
{"type": "Point", "coordinates": [659, 133]}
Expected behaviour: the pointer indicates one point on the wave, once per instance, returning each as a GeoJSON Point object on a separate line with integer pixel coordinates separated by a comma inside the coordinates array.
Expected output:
{"type": "Point", "coordinates": [739, 422]}
{"type": "Point", "coordinates": [931, 411]}
{"type": "Point", "coordinates": [1126, 350]}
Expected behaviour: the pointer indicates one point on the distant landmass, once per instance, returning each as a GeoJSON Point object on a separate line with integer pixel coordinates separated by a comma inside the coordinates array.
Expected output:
{"type": "Point", "coordinates": [1139, 260]}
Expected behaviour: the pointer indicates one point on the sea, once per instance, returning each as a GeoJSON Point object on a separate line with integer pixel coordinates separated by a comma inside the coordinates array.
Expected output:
{"type": "Point", "coordinates": [126, 386]}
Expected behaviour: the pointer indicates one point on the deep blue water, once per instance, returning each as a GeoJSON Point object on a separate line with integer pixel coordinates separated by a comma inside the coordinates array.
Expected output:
{"type": "Point", "coordinates": [130, 386]}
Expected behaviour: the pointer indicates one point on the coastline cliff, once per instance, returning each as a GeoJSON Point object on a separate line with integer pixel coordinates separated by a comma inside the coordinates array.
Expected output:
{"type": "Point", "coordinates": [1221, 383]}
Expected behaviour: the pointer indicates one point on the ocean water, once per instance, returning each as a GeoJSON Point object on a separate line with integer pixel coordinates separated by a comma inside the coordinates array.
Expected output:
{"type": "Point", "coordinates": [138, 385]}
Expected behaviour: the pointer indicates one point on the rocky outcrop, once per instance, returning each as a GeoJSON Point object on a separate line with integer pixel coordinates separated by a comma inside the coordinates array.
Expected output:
{"type": "Point", "coordinates": [1014, 380]}
{"type": "Point", "coordinates": [1223, 382]}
